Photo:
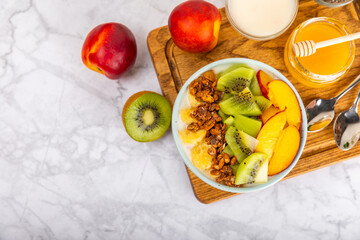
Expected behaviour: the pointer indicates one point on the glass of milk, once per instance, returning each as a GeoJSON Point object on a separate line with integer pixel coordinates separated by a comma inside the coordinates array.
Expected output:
{"type": "Point", "coordinates": [261, 19]}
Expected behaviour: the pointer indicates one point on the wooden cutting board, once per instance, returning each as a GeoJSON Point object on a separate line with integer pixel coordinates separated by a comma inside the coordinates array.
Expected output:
{"type": "Point", "coordinates": [174, 66]}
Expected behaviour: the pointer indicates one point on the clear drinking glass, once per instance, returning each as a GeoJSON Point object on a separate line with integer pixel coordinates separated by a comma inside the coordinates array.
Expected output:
{"type": "Point", "coordinates": [254, 37]}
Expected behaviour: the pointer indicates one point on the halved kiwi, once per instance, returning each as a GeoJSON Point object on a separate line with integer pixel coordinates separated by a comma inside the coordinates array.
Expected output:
{"type": "Point", "coordinates": [146, 116]}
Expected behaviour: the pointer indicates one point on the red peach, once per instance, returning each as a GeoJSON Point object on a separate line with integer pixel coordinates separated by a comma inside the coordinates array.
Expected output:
{"type": "Point", "coordinates": [109, 49]}
{"type": "Point", "coordinates": [194, 26]}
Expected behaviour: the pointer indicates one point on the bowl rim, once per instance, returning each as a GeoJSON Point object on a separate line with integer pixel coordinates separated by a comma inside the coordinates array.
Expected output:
{"type": "Point", "coordinates": [175, 116]}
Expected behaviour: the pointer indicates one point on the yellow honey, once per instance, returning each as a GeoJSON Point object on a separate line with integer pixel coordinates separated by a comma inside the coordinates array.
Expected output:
{"type": "Point", "coordinates": [326, 60]}
{"type": "Point", "coordinates": [328, 64]}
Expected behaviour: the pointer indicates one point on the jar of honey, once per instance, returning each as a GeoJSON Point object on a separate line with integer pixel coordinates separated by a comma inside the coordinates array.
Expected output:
{"type": "Point", "coordinates": [328, 64]}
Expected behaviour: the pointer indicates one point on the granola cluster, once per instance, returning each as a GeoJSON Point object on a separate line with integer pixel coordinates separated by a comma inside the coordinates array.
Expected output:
{"type": "Point", "coordinates": [207, 118]}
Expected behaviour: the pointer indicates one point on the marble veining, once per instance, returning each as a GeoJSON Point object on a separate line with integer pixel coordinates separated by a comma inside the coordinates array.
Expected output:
{"type": "Point", "coordinates": [68, 170]}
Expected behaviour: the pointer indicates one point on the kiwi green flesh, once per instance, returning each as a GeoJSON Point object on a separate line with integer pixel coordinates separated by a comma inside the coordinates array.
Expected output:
{"type": "Point", "coordinates": [236, 80]}
{"type": "Point", "coordinates": [226, 96]}
{"type": "Point", "coordinates": [227, 150]}
{"type": "Point", "coordinates": [242, 103]}
{"type": "Point", "coordinates": [255, 87]}
{"type": "Point", "coordinates": [223, 115]}
{"type": "Point", "coordinates": [234, 168]}
{"type": "Point", "coordinates": [248, 169]}
{"type": "Point", "coordinates": [248, 125]}
{"type": "Point", "coordinates": [232, 68]}
{"type": "Point", "coordinates": [262, 102]}
{"type": "Point", "coordinates": [236, 143]}
{"type": "Point", "coordinates": [148, 117]}
{"type": "Point", "coordinates": [229, 122]}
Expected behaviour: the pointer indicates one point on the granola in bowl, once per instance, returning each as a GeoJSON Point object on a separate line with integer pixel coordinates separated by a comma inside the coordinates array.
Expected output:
{"type": "Point", "coordinates": [206, 117]}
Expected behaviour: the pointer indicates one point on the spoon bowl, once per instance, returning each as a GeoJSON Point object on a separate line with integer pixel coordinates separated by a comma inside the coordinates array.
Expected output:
{"type": "Point", "coordinates": [347, 127]}
{"type": "Point", "coordinates": [320, 112]}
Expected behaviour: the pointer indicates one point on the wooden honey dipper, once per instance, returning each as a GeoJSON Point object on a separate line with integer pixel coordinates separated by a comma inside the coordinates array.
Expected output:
{"type": "Point", "coordinates": [308, 47]}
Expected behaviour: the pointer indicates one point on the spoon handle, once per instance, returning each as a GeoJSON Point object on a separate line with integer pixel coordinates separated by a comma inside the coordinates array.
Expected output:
{"type": "Point", "coordinates": [353, 84]}
{"type": "Point", "coordinates": [356, 102]}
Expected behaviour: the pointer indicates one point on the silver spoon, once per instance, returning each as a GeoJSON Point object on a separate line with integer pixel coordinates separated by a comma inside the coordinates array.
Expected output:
{"type": "Point", "coordinates": [320, 112]}
{"type": "Point", "coordinates": [347, 127]}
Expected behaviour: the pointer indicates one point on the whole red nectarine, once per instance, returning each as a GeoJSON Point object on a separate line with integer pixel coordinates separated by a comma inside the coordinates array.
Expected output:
{"type": "Point", "coordinates": [109, 49]}
{"type": "Point", "coordinates": [194, 26]}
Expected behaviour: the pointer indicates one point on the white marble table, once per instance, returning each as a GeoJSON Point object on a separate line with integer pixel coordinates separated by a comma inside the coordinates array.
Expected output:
{"type": "Point", "coordinates": [68, 170]}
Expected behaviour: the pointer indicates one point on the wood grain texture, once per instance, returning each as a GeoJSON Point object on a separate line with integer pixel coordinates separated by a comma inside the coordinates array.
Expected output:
{"type": "Point", "coordinates": [174, 66]}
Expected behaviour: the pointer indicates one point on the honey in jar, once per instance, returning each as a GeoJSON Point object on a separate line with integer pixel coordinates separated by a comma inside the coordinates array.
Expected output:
{"type": "Point", "coordinates": [328, 64]}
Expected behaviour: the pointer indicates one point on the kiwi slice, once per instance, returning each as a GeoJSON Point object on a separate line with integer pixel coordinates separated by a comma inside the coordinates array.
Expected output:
{"type": "Point", "coordinates": [248, 125]}
{"type": "Point", "coordinates": [229, 122]}
{"type": "Point", "coordinates": [255, 87]}
{"type": "Point", "coordinates": [262, 102]}
{"type": "Point", "coordinates": [241, 144]}
{"type": "Point", "coordinates": [248, 169]}
{"type": "Point", "coordinates": [242, 103]}
{"type": "Point", "coordinates": [236, 80]}
{"type": "Point", "coordinates": [227, 150]}
{"type": "Point", "coordinates": [146, 116]}
{"type": "Point", "coordinates": [232, 68]}
{"type": "Point", "coordinates": [226, 96]}
{"type": "Point", "coordinates": [234, 168]}
{"type": "Point", "coordinates": [223, 115]}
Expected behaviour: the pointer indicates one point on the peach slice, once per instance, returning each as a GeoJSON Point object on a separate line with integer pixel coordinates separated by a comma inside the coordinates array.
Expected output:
{"type": "Point", "coordinates": [264, 79]}
{"type": "Point", "coordinates": [282, 96]}
{"type": "Point", "coordinates": [270, 133]}
{"type": "Point", "coordinates": [268, 113]}
{"type": "Point", "coordinates": [285, 150]}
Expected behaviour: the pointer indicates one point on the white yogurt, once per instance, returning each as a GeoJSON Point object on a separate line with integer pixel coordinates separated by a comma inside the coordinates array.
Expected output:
{"type": "Point", "coordinates": [185, 104]}
{"type": "Point", "coordinates": [262, 18]}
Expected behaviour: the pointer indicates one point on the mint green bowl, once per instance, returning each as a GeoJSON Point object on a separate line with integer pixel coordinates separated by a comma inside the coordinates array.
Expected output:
{"type": "Point", "coordinates": [175, 117]}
